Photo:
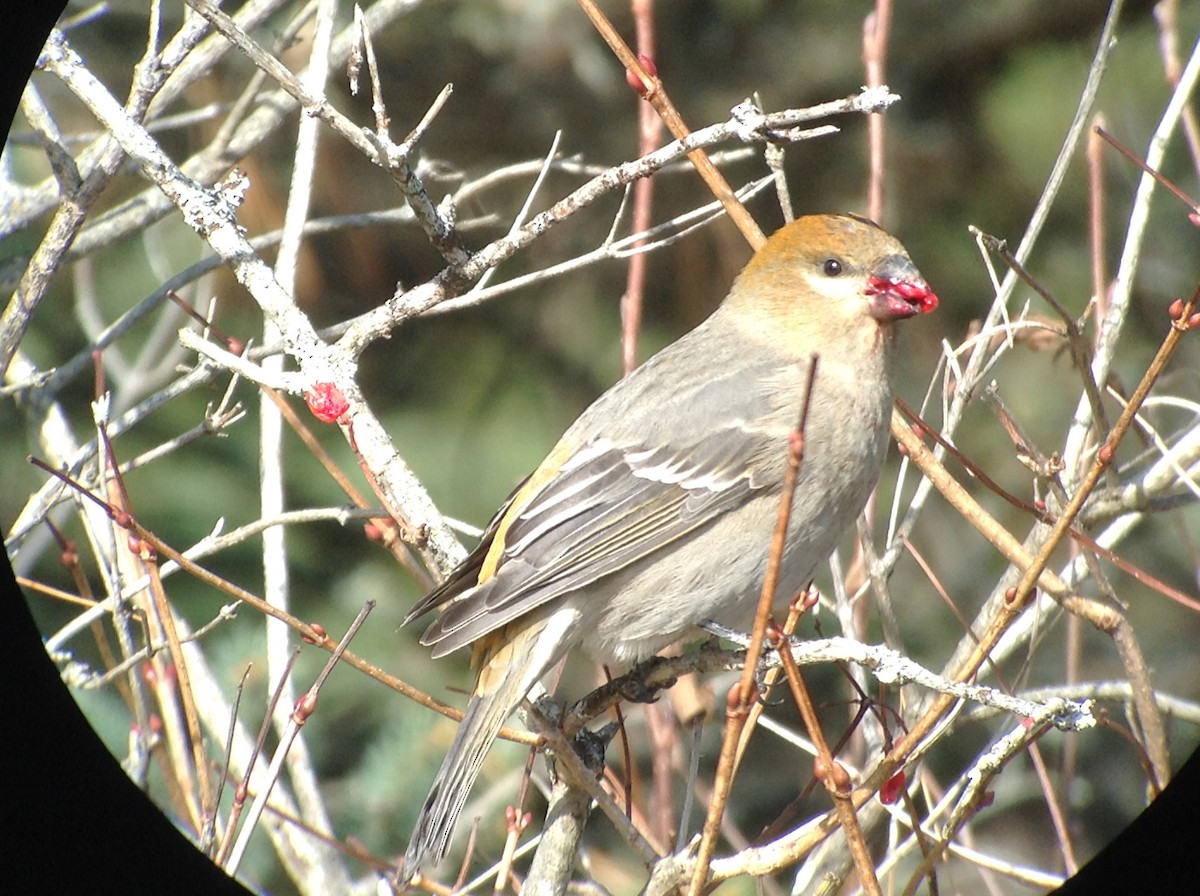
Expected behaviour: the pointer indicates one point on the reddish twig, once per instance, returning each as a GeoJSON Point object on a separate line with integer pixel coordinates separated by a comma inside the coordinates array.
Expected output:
{"type": "Point", "coordinates": [656, 96]}
{"type": "Point", "coordinates": [307, 631]}
{"type": "Point", "coordinates": [649, 132]}
{"type": "Point", "coordinates": [877, 28]}
{"type": "Point", "coordinates": [742, 695]}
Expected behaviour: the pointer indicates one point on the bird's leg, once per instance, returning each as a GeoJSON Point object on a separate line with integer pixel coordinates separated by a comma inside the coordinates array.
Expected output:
{"type": "Point", "coordinates": [591, 746]}
{"type": "Point", "coordinates": [642, 684]}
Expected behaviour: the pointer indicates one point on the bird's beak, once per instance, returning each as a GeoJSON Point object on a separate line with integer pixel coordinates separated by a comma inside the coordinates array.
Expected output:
{"type": "Point", "coordinates": [897, 290]}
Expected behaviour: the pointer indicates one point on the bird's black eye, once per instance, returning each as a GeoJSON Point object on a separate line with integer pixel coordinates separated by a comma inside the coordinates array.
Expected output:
{"type": "Point", "coordinates": [832, 267]}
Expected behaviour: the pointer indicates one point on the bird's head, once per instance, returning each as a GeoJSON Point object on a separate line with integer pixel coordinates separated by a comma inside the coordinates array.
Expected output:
{"type": "Point", "coordinates": [837, 273]}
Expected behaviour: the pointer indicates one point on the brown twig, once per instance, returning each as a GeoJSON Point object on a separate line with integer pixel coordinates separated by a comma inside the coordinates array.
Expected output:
{"type": "Point", "coordinates": [243, 789]}
{"type": "Point", "coordinates": [742, 695]}
{"type": "Point", "coordinates": [1163, 181]}
{"type": "Point", "coordinates": [656, 96]}
{"type": "Point", "coordinates": [1166, 13]}
{"type": "Point", "coordinates": [797, 607]}
{"type": "Point", "coordinates": [301, 713]}
{"type": "Point", "coordinates": [208, 840]}
{"type": "Point", "coordinates": [306, 630]}
{"type": "Point", "coordinates": [1075, 341]}
{"type": "Point", "coordinates": [1034, 571]}
{"type": "Point", "coordinates": [1036, 510]}
{"type": "Point", "coordinates": [192, 776]}
{"type": "Point", "coordinates": [830, 772]}
{"type": "Point", "coordinates": [649, 132]}
{"type": "Point", "coordinates": [660, 725]}
{"type": "Point", "coordinates": [877, 28]}
{"type": "Point", "coordinates": [1095, 163]}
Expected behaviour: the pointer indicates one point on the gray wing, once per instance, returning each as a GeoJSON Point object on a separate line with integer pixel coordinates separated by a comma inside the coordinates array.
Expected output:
{"type": "Point", "coordinates": [610, 507]}
{"type": "Point", "coordinates": [653, 470]}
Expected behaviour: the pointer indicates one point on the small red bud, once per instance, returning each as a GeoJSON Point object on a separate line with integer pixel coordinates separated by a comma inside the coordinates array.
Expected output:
{"type": "Point", "coordinates": [836, 778]}
{"type": "Point", "coordinates": [773, 634]}
{"type": "Point", "coordinates": [1010, 596]}
{"type": "Point", "coordinates": [733, 700]}
{"type": "Point", "coordinates": [634, 80]}
{"type": "Point", "coordinates": [820, 770]}
{"type": "Point", "coordinates": [149, 673]}
{"type": "Point", "coordinates": [318, 629]}
{"type": "Point", "coordinates": [892, 788]}
{"type": "Point", "coordinates": [143, 549]}
{"type": "Point", "coordinates": [305, 707]}
{"type": "Point", "coordinates": [805, 600]}
{"type": "Point", "coordinates": [841, 778]}
{"type": "Point", "coordinates": [987, 799]}
{"type": "Point", "coordinates": [69, 557]}
{"type": "Point", "coordinates": [156, 724]}
{"type": "Point", "coordinates": [1027, 722]}
{"type": "Point", "coordinates": [1176, 312]}
{"type": "Point", "coordinates": [1105, 454]}
{"type": "Point", "coordinates": [326, 402]}
{"type": "Point", "coordinates": [1194, 217]}
{"type": "Point", "coordinates": [1040, 505]}
{"type": "Point", "coordinates": [372, 532]}
{"type": "Point", "coordinates": [235, 345]}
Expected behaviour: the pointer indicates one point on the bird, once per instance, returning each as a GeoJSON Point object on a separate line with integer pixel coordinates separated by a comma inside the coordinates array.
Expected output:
{"type": "Point", "coordinates": [654, 512]}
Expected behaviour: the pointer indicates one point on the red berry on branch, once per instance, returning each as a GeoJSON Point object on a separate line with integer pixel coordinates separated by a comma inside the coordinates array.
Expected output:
{"type": "Point", "coordinates": [892, 788]}
{"type": "Point", "coordinates": [326, 402]}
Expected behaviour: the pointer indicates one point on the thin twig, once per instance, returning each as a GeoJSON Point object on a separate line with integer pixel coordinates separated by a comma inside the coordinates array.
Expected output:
{"type": "Point", "coordinates": [742, 696]}
{"type": "Point", "coordinates": [656, 96]}
{"type": "Point", "coordinates": [302, 711]}
{"type": "Point", "coordinates": [877, 31]}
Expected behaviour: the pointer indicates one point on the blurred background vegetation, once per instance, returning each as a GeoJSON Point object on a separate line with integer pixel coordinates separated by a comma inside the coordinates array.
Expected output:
{"type": "Point", "coordinates": [473, 399]}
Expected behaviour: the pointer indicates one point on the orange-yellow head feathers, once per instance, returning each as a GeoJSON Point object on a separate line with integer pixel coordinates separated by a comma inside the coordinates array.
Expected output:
{"type": "Point", "coordinates": [839, 266]}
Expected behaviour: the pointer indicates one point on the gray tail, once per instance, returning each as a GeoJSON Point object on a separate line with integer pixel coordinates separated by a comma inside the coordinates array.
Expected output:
{"type": "Point", "coordinates": [483, 720]}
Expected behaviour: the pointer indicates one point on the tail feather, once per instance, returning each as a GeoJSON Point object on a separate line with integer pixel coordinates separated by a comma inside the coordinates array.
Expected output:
{"type": "Point", "coordinates": [505, 677]}
{"type": "Point", "coordinates": [502, 686]}
{"type": "Point", "coordinates": [431, 837]}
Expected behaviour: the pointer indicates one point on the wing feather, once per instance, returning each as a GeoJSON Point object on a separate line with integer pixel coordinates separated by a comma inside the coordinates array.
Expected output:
{"type": "Point", "coordinates": [622, 496]}
{"type": "Point", "coordinates": [618, 508]}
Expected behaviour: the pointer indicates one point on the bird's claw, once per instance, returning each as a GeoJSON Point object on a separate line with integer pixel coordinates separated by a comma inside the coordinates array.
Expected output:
{"type": "Point", "coordinates": [634, 688]}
